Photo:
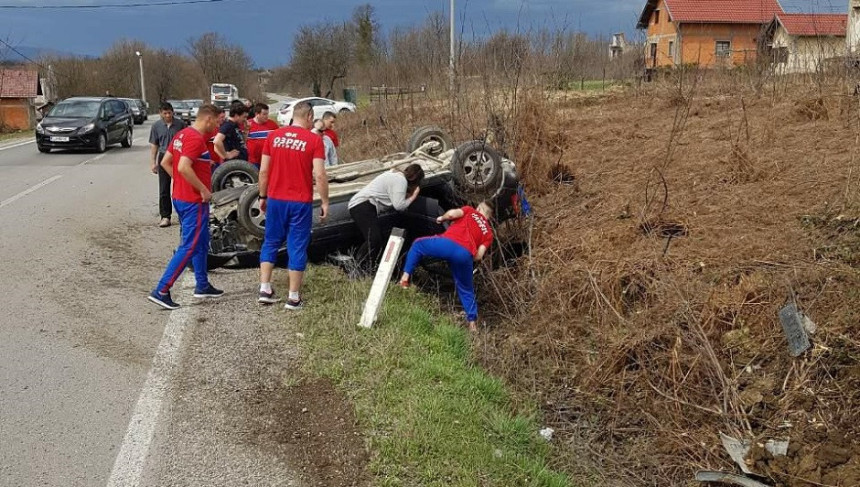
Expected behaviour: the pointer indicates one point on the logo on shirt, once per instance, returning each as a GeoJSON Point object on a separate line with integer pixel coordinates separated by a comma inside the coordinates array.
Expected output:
{"type": "Point", "coordinates": [288, 141]}
{"type": "Point", "coordinates": [177, 144]}
{"type": "Point", "coordinates": [481, 223]}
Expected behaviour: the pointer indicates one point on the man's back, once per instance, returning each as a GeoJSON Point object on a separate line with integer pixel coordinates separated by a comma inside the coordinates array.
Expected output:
{"type": "Point", "coordinates": [292, 150]}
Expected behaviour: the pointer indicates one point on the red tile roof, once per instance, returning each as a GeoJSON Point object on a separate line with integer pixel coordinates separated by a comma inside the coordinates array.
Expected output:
{"type": "Point", "coordinates": [715, 11]}
{"type": "Point", "coordinates": [814, 24]}
{"type": "Point", "coordinates": [16, 83]}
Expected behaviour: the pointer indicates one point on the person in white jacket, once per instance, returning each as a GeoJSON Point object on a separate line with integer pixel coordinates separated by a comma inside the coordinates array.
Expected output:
{"type": "Point", "coordinates": [394, 189]}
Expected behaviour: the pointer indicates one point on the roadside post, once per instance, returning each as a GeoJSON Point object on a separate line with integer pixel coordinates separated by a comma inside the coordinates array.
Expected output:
{"type": "Point", "coordinates": [383, 277]}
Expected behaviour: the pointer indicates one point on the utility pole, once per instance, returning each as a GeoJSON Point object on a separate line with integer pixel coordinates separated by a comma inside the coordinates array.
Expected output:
{"type": "Point", "coordinates": [451, 74]}
{"type": "Point", "coordinates": [142, 82]}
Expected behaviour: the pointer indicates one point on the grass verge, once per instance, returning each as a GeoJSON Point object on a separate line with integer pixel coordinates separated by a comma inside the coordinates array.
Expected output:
{"type": "Point", "coordinates": [431, 417]}
{"type": "Point", "coordinates": [18, 134]}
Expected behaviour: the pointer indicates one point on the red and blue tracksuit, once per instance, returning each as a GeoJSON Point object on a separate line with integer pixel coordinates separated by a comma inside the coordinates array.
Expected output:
{"type": "Point", "coordinates": [458, 247]}
{"type": "Point", "coordinates": [193, 212]}
{"type": "Point", "coordinates": [257, 135]}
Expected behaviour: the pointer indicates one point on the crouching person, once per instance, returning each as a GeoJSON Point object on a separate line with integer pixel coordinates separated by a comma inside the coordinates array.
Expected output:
{"type": "Point", "coordinates": [188, 162]}
{"type": "Point", "coordinates": [464, 242]}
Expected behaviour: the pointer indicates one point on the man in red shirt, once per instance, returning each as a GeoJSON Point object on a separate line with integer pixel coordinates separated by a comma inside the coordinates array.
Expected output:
{"type": "Point", "coordinates": [292, 156]}
{"type": "Point", "coordinates": [328, 119]}
{"type": "Point", "coordinates": [210, 140]}
{"type": "Point", "coordinates": [465, 241]}
{"type": "Point", "coordinates": [260, 128]}
{"type": "Point", "coordinates": [189, 164]}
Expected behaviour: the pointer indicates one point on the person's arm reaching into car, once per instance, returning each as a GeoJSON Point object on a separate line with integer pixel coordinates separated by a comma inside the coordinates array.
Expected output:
{"type": "Point", "coordinates": [322, 186]}
{"type": "Point", "coordinates": [167, 164]}
{"type": "Point", "coordinates": [188, 173]}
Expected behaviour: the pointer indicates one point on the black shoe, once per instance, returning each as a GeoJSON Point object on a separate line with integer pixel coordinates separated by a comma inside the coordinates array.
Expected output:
{"type": "Point", "coordinates": [162, 300]}
{"type": "Point", "coordinates": [267, 298]}
{"type": "Point", "coordinates": [208, 292]}
{"type": "Point", "coordinates": [294, 305]}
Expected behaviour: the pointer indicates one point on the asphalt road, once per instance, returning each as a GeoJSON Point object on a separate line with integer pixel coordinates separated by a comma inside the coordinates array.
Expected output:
{"type": "Point", "coordinates": [98, 387]}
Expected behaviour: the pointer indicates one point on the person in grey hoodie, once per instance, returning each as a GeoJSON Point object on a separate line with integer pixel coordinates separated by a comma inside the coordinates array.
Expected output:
{"type": "Point", "coordinates": [394, 189]}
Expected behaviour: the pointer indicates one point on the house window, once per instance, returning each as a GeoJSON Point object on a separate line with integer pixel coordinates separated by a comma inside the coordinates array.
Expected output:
{"type": "Point", "coordinates": [656, 16]}
{"type": "Point", "coordinates": [724, 48]}
{"type": "Point", "coordinates": [672, 49]}
{"type": "Point", "coordinates": [780, 55]}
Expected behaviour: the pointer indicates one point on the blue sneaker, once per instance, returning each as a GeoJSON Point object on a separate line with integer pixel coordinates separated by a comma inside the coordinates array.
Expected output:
{"type": "Point", "coordinates": [162, 300]}
{"type": "Point", "coordinates": [208, 292]}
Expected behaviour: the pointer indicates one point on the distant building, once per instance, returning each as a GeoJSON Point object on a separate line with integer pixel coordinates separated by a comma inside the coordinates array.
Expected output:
{"type": "Point", "coordinates": [706, 33]}
{"type": "Point", "coordinates": [805, 43]}
{"type": "Point", "coordinates": [852, 34]}
{"type": "Point", "coordinates": [19, 89]}
{"type": "Point", "coordinates": [617, 46]}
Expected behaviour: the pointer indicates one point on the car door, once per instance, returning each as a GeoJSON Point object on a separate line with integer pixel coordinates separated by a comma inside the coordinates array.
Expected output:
{"type": "Point", "coordinates": [107, 120]}
{"type": "Point", "coordinates": [319, 107]}
{"type": "Point", "coordinates": [123, 120]}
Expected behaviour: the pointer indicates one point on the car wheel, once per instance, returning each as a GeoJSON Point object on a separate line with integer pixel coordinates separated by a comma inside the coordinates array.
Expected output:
{"type": "Point", "coordinates": [430, 133]}
{"type": "Point", "coordinates": [127, 140]}
{"type": "Point", "coordinates": [44, 150]}
{"type": "Point", "coordinates": [250, 217]}
{"type": "Point", "coordinates": [344, 110]}
{"type": "Point", "coordinates": [477, 168]}
{"type": "Point", "coordinates": [233, 174]}
{"type": "Point", "coordinates": [101, 144]}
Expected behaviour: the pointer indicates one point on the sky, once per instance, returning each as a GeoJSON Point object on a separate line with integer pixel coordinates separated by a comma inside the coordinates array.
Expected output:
{"type": "Point", "coordinates": [265, 28]}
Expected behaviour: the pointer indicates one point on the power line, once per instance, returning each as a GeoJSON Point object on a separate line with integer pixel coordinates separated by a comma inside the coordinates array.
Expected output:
{"type": "Point", "coordinates": [112, 5]}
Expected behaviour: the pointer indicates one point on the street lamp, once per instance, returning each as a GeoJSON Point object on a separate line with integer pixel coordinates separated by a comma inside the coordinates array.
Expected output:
{"type": "Point", "coordinates": [142, 83]}
{"type": "Point", "coordinates": [451, 72]}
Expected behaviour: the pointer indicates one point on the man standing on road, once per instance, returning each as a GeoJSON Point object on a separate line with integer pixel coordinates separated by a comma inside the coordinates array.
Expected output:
{"type": "Point", "coordinates": [188, 161]}
{"type": "Point", "coordinates": [292, 156]}
{"type": "Point", "coordinates": [160, 135]}
{"type": "Point", "coordinates": [230, 141]}
{"type": "Point", "coordinates": [464, 242]}
{"type": "Point", "coordinates": [261, 127]}
{"type": "Point", "coordinates": [329, 118]}
{"type": "Point", "coordinates": [331, 159]}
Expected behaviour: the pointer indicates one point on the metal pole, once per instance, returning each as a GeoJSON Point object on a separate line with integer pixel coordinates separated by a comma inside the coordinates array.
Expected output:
{"type": "Point", "coordinates": [142, 82]}
{"type": "Point", "coordinates": [451, 54]}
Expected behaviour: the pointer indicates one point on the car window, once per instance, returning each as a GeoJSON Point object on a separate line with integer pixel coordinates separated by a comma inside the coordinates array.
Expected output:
{"type": "Point", "coordinates": [119, 107]}
{"type": "Point", "coordinates": [107, 110]}
{"type": "Point", "coordinates": [76, 109]}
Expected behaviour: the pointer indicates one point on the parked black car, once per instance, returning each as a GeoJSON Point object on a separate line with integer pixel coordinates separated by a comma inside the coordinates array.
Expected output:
{"type": "Point", "coordinates": [85, 122]}
{"type": "Point", "coordinates": [138, 109]}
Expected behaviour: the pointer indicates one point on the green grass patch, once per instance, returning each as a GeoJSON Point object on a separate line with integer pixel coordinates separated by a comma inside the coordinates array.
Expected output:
{"type": "Point", "coordinates": [431, 416]}
{"type": "Point", "coordinates": [18, 134]}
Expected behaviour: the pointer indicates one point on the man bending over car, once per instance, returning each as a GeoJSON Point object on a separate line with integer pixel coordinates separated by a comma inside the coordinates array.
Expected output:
{"type": "Point", "coordinates": [464, 242]}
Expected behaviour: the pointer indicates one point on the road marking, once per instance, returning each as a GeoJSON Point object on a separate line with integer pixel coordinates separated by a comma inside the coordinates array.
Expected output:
{"type": "Point", "coordinates": [24, 193]}
{"type": "Point", "coordinates": [19, 144]}
{"type": "Point", "coordinates": [94, 159]}
{"type": "Point", "coordinates": [131, 460]}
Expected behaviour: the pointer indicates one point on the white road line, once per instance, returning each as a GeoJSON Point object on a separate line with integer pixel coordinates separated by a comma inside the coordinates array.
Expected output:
{"type": "Point", "coordinates": [94, 159]}
{"type": "Point", "coordinates": [19, 144]}
{"type": "Point", "coordinates": [9, 201]}
{"type": "Point", "coordinates": [131, 460]}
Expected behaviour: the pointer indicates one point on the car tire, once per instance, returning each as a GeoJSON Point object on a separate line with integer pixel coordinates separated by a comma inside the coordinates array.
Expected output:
{"type": "Point", "coordinates": [101, 144]}
{"type": "Point", "coordinates": [248, 214]}
{"type": "Point", "coordinates": [234, 173]}
{"type": "Point", "coordinates": [477, 169]}
{"type": "Point", "coordinates": [127, 140]}
{"type": "Point", "coordinates": [344, 110]}
{"type": "Point", "coordinates": [430, 133]}
{"type": "Point", "coordinates": [43, 149]}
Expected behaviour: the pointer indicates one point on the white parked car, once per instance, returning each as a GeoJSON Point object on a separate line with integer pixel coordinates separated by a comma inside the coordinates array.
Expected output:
{"type": "Point", "coordinates": [321, 105]}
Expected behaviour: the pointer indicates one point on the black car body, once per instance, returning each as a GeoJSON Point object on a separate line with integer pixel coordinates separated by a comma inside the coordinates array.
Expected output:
{"type": "Point", "coordinates": [237, 224]}
{"type": "Point", "coordinates": [85, 123]}
{"type": "Point", "coordinates": [138, 109]}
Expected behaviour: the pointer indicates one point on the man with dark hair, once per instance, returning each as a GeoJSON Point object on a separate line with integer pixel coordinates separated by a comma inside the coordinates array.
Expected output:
{"type": "Point", "coordinates": [292, 156]}
{"type": "Point", "coordinates": [188, 162]}
{"type": "Point", "coordinates": [230, 141]}
{"type": "Point", "coordinates": [329, 119]}
{"type": "Point", "coordinates": [260, 128]}
{"type": "Point", "coordinates": [160, 135]}
{"type": "Point", "coordinates": [465, 241]}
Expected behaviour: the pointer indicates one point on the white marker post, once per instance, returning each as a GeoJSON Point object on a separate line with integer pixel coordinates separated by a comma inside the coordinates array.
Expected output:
{"type": "Point", "coordinates": [383, 276]}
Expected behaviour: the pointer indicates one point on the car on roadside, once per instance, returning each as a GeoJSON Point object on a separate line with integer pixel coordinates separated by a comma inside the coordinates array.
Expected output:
{"type": "Point", "coordinates": [467, 174]}
{"type": "Point", "coordinates": [138, 110]}
{"type": "Point", "coordinates": [85, 123]}
{"type": "Point", "coordinates": [320, 105]}
{"type": "Point", "coordinates": [195, 105]}
{"type": "Point", "coordinates": [181, 110]}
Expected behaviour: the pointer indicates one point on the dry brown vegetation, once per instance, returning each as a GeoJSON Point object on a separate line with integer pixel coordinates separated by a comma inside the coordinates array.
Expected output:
{"type": "Point", "coordinates": [672, 221]}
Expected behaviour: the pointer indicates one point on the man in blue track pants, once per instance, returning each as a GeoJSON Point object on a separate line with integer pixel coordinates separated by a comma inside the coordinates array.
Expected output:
{"type": "Point", "coordinates": [292, 156]}
{"type": "Point", "coordinates": [189, 164]}
{"type": "Point", "coordinates": [464, 242]}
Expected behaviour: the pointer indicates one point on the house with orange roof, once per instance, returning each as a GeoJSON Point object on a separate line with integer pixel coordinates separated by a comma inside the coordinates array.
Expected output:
{"type": "Point", "coordinates": [707, 33]}
{"type": "Point", "coordinates": [806, 43]}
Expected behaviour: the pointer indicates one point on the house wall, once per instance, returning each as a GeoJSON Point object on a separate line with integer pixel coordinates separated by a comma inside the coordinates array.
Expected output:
{"type": "Point", "coordinates": [853, 36]}
{"type": "Point", "coordinates": [807, 54]}
{"type": "Point", "coordinates": [662, 33]}
{"type": "Point", "coordinates": [700, 43]}
{"type": "Point", "coordinates": [16, 113]}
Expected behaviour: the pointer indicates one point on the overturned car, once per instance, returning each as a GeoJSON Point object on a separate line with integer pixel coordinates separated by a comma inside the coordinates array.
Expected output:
{"type": "Point", "coordinates": [467, 174]}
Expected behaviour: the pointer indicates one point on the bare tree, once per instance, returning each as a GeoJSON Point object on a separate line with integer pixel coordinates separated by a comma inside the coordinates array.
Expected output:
{"type": "Point", "coordinates": [223, 62]}
{"type": "Point", "coordinates": [322, 55]}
